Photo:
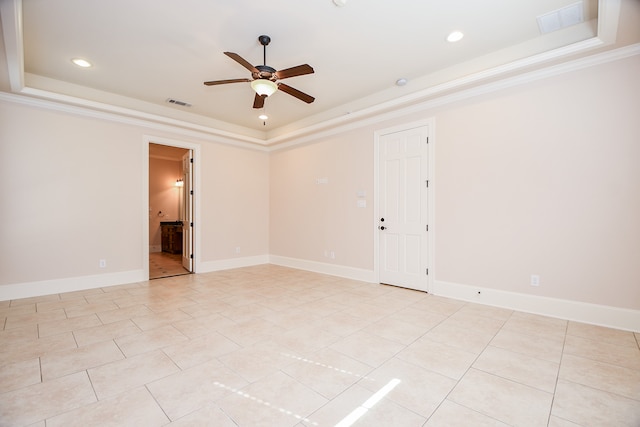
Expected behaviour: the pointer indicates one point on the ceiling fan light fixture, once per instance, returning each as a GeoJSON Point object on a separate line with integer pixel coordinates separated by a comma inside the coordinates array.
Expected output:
{"type": "Point", "coordinates": [264, 87]}
{"type": "Point", "coordinates": [263, 116]}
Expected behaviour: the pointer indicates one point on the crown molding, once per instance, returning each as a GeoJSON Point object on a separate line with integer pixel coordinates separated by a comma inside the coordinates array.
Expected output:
{"type": "Point", "coordinates": [609, 10]}
{"type": "Point", "coordinates": [130, 117]}
{"type": "Point", "coordinates": [322, 130]}
{"type": "Point", "coordinates": [373, 116]}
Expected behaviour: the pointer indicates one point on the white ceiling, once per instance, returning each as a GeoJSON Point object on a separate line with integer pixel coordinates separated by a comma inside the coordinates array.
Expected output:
{"type": "Point", "coordinates": [146, 51]}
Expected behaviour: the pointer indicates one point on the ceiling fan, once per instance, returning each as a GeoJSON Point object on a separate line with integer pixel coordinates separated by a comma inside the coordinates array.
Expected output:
{"type": "Point", "coordinates": [265, 80]}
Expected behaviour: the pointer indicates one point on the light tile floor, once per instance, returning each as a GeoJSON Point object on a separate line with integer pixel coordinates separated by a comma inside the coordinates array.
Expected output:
{"type": "Point", "coordinates": [273, 346]}
{"type": "Point", "coordinates": [164, 264]}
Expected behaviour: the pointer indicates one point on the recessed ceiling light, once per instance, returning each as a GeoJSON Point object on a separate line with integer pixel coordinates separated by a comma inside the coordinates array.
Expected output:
{"type": "Point", "coordinates": [263, 117]}
{"type": "Point", "coordinates": [339, 3]}
{"type": "Point", "coordinates": [81, 62]}
{"type": "Point", "coordinates": [455, 36]}
{"type": "Point", "coordinates": [401, 81]}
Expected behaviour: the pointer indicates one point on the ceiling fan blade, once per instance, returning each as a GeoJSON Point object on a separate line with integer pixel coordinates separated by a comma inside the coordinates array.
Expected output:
{"type": "Point", "coordinates": [295, 92]}
{"type": "Point", "coordinates": [240, 60]}
{"type": "Point", "coordinates": [222, 82]}
{"type": "Point", "coordinates": [258, 101]}
{"type": "Point", "coordinates": [300, 70]}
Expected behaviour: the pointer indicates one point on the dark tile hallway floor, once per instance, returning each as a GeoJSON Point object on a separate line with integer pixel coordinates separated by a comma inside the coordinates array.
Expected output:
{"type": "Point", "coordinates": [164, 264]}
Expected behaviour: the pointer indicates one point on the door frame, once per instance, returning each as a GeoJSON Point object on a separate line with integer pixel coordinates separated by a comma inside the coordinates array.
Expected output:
{"type": "Point", "coordinates": [186, 202]}
{"type": "Point", "coordinates": [378, 134]}
{"type": "Point", "coordinates": [149, 139]}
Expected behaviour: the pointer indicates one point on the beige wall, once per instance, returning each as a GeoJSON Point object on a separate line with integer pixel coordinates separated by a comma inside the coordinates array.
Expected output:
{"type": "Point", "coordinates": [545, 179]}
{"type": "Point", "coordinates": [76, 196]}
{"type": "Point", "coordinates": [308, 218]}
{"type": "Point", "coordinates": [235, 204]}
{"type": "Point", "coordinates": [539, 179]}
{"type": "Point", "coordinates": [542, 178]}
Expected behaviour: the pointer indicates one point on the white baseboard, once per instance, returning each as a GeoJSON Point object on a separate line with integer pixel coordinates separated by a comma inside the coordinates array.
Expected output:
{"type": "Point", "coordinates": [226, 264]}
{"type": "Point", "coordinates": [613, 317]}
{"type": "Point", "coordinates": [595, 314]}
{"type": "Point", "coordinates": [71, 284]}
{"type": "Point", "coordinates": [324, 268]}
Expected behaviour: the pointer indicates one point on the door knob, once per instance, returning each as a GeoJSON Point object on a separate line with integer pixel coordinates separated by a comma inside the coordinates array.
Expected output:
{"type": "Point", "coordinates": [382, 227]}
{"type": "Point", "coordinates": [381, 219]}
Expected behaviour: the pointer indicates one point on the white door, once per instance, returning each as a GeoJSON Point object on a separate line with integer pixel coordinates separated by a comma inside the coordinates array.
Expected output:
{"type": "Point", "coordinates": [187, 208]}
{"type": "Point", "coordinates": [403, 210]}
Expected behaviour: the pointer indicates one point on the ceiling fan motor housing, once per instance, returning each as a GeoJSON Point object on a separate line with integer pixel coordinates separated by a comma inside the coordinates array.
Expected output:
{"type": "Point", "coordinates": [265, 72]}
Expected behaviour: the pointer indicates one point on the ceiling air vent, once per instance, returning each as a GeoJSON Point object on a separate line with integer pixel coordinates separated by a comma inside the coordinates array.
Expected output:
{"type": "Point", "coordinates": [176, 102]}
{"type": "Point", "coordinates": [561, 18]}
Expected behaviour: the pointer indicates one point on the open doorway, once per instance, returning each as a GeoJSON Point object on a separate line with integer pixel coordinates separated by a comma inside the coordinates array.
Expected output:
{"type": "Point", "coordinates": [170, 211]}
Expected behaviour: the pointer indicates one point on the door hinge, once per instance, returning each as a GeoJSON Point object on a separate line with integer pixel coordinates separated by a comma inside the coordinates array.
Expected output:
{"type": "Point", "coordinates": [190, 224]}
{"type": "Point", "coordinates": [191, 256]}
{"type": "Point", "coordinates": [426, 183]}
{"type": "Point", "coordinates": [191, 159]}
{"type": "Point", "coordinates": [426, 227]}
{"type": "Point", "coordinates": [191, 192]}
{"type": "Point", "coordinates": [427, 271]}
{"type": "Point", "coordinates": [427, 140]}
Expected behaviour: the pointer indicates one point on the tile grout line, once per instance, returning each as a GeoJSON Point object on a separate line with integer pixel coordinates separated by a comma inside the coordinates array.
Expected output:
{"type": "Point", "coordinates": [555, 386]}
{"type": "Point", "coordinates": [228, 291]}
{"type": "Point", "coordinates": [465, 373]}
{"type": "Point", "coordinates": [160, 406]}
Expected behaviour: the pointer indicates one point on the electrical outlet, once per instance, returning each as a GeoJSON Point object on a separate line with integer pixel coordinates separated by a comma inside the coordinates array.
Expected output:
{"type": "Point", "coordinates": [238, 249]}
{"type": "Point", "coordinates": [333, 255]}
{"type": "Point", "coordinates": [103, 263]}
{"type": "Point", "coordinates": [535, 280]}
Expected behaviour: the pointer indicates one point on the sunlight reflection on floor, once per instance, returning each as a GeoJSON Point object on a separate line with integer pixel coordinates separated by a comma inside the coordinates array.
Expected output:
{"type": "Point", "coordinates": [265, 403]}
{"type": "Point", "coordinates": [357, 413]}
